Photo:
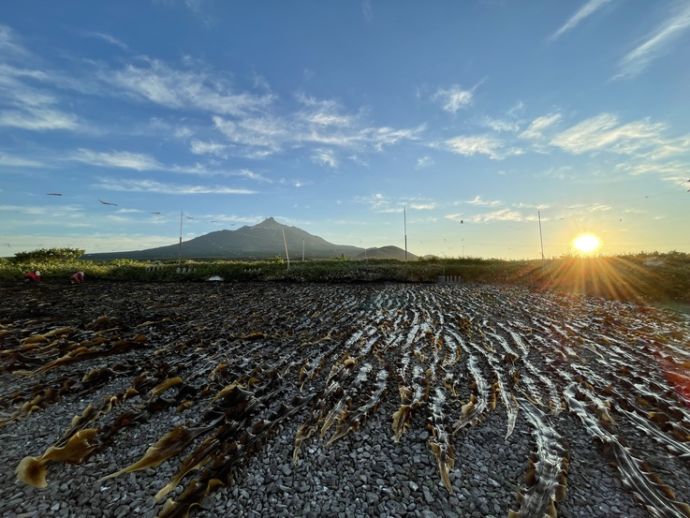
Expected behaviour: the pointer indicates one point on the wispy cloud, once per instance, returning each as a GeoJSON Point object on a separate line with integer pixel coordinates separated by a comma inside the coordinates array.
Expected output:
{"type": "Point", "coordinates": [605, 132]}
{"type": "Point", "coordinates": [516, 109]}
{"type": "Point", "coordinates": [664, 168]}
{"type": "Point", "coordinates": [457, 217]}
{"type": "Point", "coordinates": [9, 43]}
{"type": "Point", "coordinates": [44, 210]}
{"type": "Point", "coordinates": [125, 185]}
{"type": "Point", "coordinates": [501, 125]}
{"type": "Point", "coordinates": [453, 98]}
{"type": "Point", "coordinates": [387, 205]}
{"type": "Point", "coordinates": [368, 10]}
{"type": "Point", "coordinates": [385, 136]}
{"type": "Point", "coordinates": [233, 219]}
{"type": "Point", "coordinates": [675, 172]}
{"type": "Point", "coordinates": [470, 145]}
{"type": "Point", "coordinates": [323, 112]}
{"type": "Point", "coordinates": [112, 40]}
{"type": "Point", "coordinates": [252, 122]}
{"type": "Point", "coordinates": [252, 175]}
{"type": "Point", "coordinates": [266, 133]}
{"type": "Point", "coordinates": [424, 161]}
{"type": "Point", "coordinates": [145, 162]}
{"type": "Point", "coordinates": [655, 44]}
{"type": "Point", "coordinates": [191, 88]}
{"type": "Point", "coordinates": [538, 125]}
{"type": "Point", "coordinates": [118, 159]}
{"type": "Point", "coordinates": [200, 147]}
{"type": "Point", "coordinates": [500, 215]}
{"type": "Point", "coordinates": [325, 157]}
{"type": "Point", "coordinates": [27, 106]}
{"type": "Point", "coordinates": [320, 126]}
{"type": "Point", "coordinates": [480, 202]}
{"type": "Point", "coordinates": [38, 119]}
{"type": "Point", "coordinates": [591, 7]}
{"type": "Point", "coordinates": [422, 206]}
{"type": "Point", "coordinates": [7, 160]}
{"type": "Point", "coordinates": [535, 206]}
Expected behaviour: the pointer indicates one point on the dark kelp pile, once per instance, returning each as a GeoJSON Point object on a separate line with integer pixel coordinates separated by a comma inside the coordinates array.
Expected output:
{"type": "Point", "coordinates": [241, 362]}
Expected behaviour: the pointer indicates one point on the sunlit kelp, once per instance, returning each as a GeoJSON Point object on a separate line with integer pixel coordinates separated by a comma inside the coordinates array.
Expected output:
{"type": "Point", "coordinates": [324, 361]}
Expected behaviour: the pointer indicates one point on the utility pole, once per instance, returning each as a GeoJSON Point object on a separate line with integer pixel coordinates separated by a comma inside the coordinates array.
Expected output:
{"type": "Point", "coordinates": [179, 246]}
{"type": "Point", "coordinates": [541, 240]}
{"type": "Point", "coordinates": [287, 255]}
{"type": "Point", "coordinates": [405, 229]}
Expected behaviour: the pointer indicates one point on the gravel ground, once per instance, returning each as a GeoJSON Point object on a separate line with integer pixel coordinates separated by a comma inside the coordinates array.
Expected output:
{"type": "Point", "coordinates": [270, 336]}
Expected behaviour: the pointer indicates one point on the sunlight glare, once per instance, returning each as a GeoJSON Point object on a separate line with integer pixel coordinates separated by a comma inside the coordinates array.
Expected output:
{"type": "Point", "coordinates": [586, 244]}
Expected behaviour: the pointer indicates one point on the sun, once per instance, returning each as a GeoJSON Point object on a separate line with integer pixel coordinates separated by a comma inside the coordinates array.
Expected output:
{"type": "Point", "coordinates": [587, 244]}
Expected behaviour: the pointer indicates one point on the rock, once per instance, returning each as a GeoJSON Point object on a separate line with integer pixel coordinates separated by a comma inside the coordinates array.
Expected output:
{"type": "Point", "coordinates": [379, 468]}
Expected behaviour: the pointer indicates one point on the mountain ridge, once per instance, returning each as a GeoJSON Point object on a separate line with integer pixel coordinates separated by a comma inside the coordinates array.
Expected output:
{"type": "Point", "coordinates": [261, 241]}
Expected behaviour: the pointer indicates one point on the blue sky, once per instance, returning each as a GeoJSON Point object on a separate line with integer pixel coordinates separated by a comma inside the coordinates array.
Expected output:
{"type": "Point", "coordinates": [333, 116]}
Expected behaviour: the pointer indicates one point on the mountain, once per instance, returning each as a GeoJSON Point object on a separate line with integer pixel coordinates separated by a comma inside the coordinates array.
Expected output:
{"type": "Point", "coordinates": [387, 252]}
{"type": "Point", "coordinates": [260, 241]}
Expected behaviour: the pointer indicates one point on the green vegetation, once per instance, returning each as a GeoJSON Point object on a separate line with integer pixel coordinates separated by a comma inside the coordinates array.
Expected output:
{"type": "Point", "coordinates": [648, 276]}
{"type": "Point", "coordinates": [48, 255]}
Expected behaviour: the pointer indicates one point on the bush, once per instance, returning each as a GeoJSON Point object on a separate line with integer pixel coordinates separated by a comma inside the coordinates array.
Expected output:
{"type": "Point", "coordinates": [48, 254]}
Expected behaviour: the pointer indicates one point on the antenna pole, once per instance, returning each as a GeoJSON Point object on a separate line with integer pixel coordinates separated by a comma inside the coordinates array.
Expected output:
{"type": "Point", "coordinates": [179, 246]}
{"type": "Point", "coordinates": [287, 255]}
{"type": "Point", "coordinates": [405, 229]}
{"type": "Point", "coordinates": [541, 240]}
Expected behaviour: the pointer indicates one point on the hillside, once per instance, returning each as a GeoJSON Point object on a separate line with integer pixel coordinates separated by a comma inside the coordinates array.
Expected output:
{"type": "Point", "coordinates": [387, 252]}
{"type": "Point", "coordinates": [260, 241]}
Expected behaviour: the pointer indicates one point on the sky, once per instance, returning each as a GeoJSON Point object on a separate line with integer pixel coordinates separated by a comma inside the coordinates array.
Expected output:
{"type": "Point", "coordinates": [473, 117]}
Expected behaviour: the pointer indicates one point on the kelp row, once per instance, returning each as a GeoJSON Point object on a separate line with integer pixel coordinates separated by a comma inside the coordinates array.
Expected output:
{"type": "Point", "coordinates": [242, 362]}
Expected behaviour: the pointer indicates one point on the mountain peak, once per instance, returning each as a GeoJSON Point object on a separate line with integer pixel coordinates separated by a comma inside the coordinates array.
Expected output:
{"type": "Point", "coordinates": [268, 223]}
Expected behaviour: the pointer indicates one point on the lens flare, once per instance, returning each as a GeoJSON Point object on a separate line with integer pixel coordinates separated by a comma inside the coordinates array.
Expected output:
{"type": "Point", "coordinates": [586, 244]}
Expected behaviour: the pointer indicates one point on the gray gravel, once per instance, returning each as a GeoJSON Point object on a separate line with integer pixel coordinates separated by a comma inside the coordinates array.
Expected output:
{"type": "Point", "coordinates": [365, 473]}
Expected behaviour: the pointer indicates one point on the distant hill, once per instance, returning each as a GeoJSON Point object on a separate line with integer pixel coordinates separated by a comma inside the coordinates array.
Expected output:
{"type": "Point", "coordinates": [387, 252]}
{"type": "Point", "coordinates": [260, 241]}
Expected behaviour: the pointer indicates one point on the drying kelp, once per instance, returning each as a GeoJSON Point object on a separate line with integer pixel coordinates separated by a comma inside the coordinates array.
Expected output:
{"type": "Point", "coordinates": [33, 471]}
{"type": "Point", "coordinates": [236, 367]}
{"type": "Point", "coordinates": [545, 480]}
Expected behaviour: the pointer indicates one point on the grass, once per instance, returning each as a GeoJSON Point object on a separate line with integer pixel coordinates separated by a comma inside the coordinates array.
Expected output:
{"type": "Point", "coordinates": [641, 277]}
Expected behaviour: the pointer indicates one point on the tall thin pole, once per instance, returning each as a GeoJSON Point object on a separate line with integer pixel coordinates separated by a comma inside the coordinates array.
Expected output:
{"type": "Point", "coordinates": [179, 246]}
{"type": "Point", "coordinates": [302, 250]}
{"type": "Point", "coordinates": [405, 229]}
{"type": "Point", "coordinates": [287, 255]}
{"type": "Point", "coordinates": [541, 240]}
